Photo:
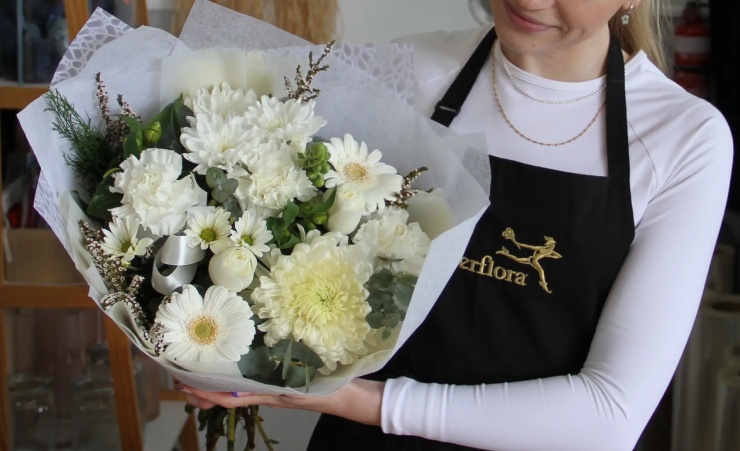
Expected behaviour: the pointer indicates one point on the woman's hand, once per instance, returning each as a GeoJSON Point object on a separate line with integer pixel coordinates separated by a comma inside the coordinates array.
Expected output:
{"type": "Point", "coordinates": [359, 401]}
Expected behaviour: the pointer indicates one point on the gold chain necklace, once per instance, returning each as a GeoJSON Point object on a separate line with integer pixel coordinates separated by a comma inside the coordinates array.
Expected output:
{"type": "Point", "coordinates": [549, 102]}
{"type": "Point", "coordinates": [516, 130]}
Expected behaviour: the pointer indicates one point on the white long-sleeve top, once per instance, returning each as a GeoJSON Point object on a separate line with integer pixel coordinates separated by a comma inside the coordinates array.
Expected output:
{"type": "Point", "coordinates": [680, 159]}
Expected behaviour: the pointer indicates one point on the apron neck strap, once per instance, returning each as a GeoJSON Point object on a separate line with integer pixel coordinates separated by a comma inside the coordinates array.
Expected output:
{"type": "Point", "coordinates": [447, 109]}
{"type": "Point", "coordinates": [617, 142]}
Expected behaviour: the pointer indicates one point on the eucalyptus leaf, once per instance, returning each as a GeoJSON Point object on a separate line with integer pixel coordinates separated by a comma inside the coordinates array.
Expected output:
{"type": "Point", "coordinates": [214, 176]}
{"type": "Point", "coordinates": [386, 333]}
{"type": "Point", "coordinates": [287, 359]}
{"type": "Point", "coordinates": [406, 279]}
{"type": "Point", "coordinates": [377, 298]}
{"type": "Point", "coordinates": [391, 320]}
{"type": "Point", "coordinates": [299, 351]}
{"type": "Point", "coordinates": [229, 186]}
{"type": "Point", "coordinates": [299, 376]}
{"type": "Point", "coordinates": [381, 279]}
{"type": "Point", "coordinates": [375, 320]}
{"type": "Point", "coordinates": [402, 293]}
{"type": "Point", "coordinates": [220, 195]}
{"type": "Point", "coordinates": [257, 362]}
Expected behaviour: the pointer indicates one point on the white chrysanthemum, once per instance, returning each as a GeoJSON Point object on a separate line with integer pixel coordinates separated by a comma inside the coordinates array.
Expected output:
{"type": "Point", "coordinates": [317, 295]}
{"type": "Point", "coordinates": [211, 230]}
{"type": "Point", "coordinates": [212, 141]}
{"type": "Point", "coordinates": [121, 241]}
{"type": "Point", "coordinates": [289, 121]}
{"type": "Point", "coordinates": [152, 192]}
{"type": "Point", "coordinates": [394, 244]}
{"type": "Point", "coordinates": [220, 99]}
{"type": "Point", "coordinates": [214, 328]}
{"type": "Point", "coordinates": [274, 187]}
{"type": "Point", "coordinates": [250, 231]}
{"type": "Point", "coordinates": [351, 162]}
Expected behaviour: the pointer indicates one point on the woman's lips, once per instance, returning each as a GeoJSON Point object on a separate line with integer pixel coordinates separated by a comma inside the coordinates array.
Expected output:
{"type": "Point", "coordinates": [522, 21]}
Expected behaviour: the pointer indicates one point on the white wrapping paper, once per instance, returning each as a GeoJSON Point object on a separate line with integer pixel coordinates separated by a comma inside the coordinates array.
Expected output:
{"type": "Point", "coordinates": [366, 92]}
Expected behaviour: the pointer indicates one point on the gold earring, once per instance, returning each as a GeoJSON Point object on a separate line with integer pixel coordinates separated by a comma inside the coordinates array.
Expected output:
{"type": "Point", "coordinates": [626, 16]}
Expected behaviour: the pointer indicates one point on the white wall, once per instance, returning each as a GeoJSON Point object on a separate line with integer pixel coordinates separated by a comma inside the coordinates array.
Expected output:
{"type": "Point", "coordinates": [383, 20]}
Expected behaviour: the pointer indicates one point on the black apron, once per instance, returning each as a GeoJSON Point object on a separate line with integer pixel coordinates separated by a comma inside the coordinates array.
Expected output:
{"type": "Point", "coordinates": [525, 300]}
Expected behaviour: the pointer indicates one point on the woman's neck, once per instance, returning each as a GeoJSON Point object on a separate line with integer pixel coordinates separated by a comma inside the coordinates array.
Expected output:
{"type": "Point", "coordinates": [578, 62]}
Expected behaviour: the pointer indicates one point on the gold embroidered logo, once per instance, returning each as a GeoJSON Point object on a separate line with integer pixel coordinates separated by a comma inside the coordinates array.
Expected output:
{"type": "Point", "coordinates": [545, 251]}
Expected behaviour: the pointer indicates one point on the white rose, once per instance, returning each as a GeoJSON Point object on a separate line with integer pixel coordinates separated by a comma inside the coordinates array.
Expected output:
{"type": "Point", "coordinates": [152, 192]}
{"type": "Point", "coordinates": [431, 211]}
{"type": "Point", "coordinates": [233, 268]}
{"type": "Point", "coordinates": [346, 212]}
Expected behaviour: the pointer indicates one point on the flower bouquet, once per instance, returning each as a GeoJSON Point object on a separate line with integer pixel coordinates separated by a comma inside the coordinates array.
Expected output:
{"type": "Point", "coordinates": [251, 238]}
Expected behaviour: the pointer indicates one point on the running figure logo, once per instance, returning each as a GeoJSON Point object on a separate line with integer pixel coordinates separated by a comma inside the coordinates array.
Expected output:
{"type": "Point", "coordinates": [545, 251]}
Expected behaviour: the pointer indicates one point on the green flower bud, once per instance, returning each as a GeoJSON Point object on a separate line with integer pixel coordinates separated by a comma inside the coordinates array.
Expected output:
{"type": "Point", "coordinates": [153, 133]}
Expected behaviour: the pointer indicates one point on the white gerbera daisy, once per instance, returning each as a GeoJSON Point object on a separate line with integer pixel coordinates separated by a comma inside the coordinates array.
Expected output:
{"type": "Point", "coordinates": [393, 243]}
{"type": "Point", "coordinates": [352, 163]}
{"type": "Point", "coordinates": [317, 295]}
{"type": "Point", "coordinates": [290, 121]}
{"type": "Point", "coordinates": [210, 230]}
{"type": "Point", "coordinates": [212, 141]}
{"type": "Point", "coordinates": [214, 328]}
{"type": "Point", "coordinates": [220, 99]}
{"type": "Point", "coordinates": [251, 232]}
{"type": "Point", "coordinates": [121, 241]}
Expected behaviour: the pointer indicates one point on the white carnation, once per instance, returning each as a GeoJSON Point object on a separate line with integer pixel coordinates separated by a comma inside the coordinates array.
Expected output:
{"type": "Point", "coordinates": [153, 193]}
{"type": "Point", "coordinates": [395, 244]}
{"type": "Point", "coordinates": [273, 188]}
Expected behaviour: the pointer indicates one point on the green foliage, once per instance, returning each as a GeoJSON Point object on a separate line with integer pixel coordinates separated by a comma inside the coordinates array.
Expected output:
{"type": "Point", "coordinates": [389, 297]}
{"type": "Point", "coordinates": [309, 215]}
{"type": "Point", "coordinates": [92, 153]}
{"type": "Point", "coordinates": [162, 131]}
{"type": "Point", "coordinates": [222, 191]}
{"type": "Point", "coordinates": [103, 200]}
{"type": "Point", "coordinates": [289, 363]}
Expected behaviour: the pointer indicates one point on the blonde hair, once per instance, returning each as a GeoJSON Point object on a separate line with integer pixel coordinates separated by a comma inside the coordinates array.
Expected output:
{"type": "Point", "coordinates": [644, 30]}
{"type": "Point", "coordinates": [312, 20]}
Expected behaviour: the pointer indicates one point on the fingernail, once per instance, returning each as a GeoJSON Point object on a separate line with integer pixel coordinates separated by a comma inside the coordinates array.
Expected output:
{"type": "Point", "coordinates": [239, 394]}
{"type": "Point", "coordinates": [185, 390]}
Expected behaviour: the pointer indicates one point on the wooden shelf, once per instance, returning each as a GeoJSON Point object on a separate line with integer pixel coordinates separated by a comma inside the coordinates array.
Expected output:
{"type": "Point", "coordinates": [14, 96]}
{"type": "Point", "coordinates": [45, 296]}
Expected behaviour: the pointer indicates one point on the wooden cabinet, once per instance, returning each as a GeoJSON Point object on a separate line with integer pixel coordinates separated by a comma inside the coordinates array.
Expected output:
{"type": "Point", "coordinates": [15, 96]}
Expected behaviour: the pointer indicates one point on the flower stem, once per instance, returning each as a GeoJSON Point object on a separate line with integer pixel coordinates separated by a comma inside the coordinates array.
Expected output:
{"type": "Point", "coordinates": [231, 430]}
{"type": "Point", "coordinates": [258, 421]}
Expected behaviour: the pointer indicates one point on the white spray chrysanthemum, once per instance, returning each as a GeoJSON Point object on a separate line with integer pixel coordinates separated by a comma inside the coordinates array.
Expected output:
{"type": "Point", "coordinates": [212, 141]}
{"type": "Point", "coordinates": [220, 99]}
{"type": "Point", "coordinates": [250, 231]}
{"type": "Point", "coordinates": [288, 121]}
{"type": "Point", "coordinates": [316, 295]}
{"type": "Point", "coordinates": [121, 240]}
{"type": "Point", "coordinates": [211, 230]}
{"type": "Point", "coordinates": [394, 243]}
{"type": "Point", "coordinates": [216, 327]}
{"type": "Point", "coordinates": [351, 163]}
